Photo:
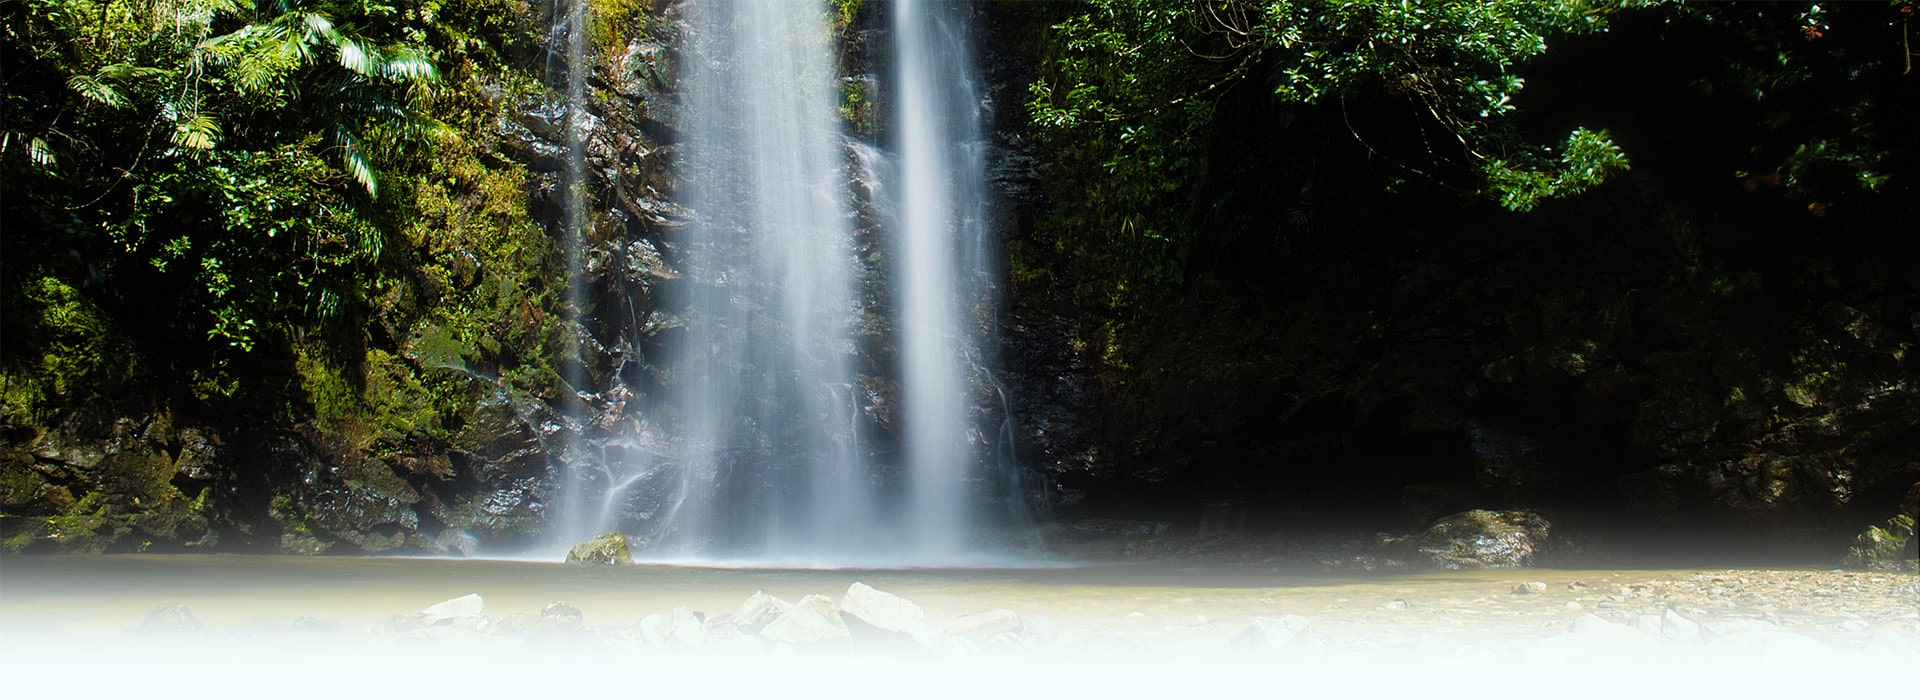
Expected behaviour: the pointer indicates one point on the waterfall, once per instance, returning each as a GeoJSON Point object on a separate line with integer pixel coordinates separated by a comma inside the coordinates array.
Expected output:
{"type": "Point", "coordinates": [942, 270]}
{"type": "Point", "coordinates": [576, 515]}
{"type": "Point", "coordinates": [775, 350]}
{"type": "Point", "coordinates": [763, 373]}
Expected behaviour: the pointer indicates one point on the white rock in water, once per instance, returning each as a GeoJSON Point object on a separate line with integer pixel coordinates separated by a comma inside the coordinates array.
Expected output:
{"type": "Point", "coordinates": [756, 612]}
{"type": "Point", "coordinates": [882, 609]}
{"type": "Point", "coordinates": [685, 630]}
{"type": "Point", "coordinates": [1042, 628]}
{"type": "Point", "coordinates": [654, 629]}
{"type": "Point", "coordinates": [983, 625]}
{"type": "Point", "coordinates": [1594, 637]}
{"type": "Point", "coordinates": [1649, 625]}
{"type": "Point", "coordinates": [1287, 636]}
{"type": "Point", "coordinates": [1678, 628]}
{"type": "Point", "coordinates": [468, 605]}
{"type": "Point", "coordinates": [812, 619]}
{"type": "Point", "coordinates": [171, 619]}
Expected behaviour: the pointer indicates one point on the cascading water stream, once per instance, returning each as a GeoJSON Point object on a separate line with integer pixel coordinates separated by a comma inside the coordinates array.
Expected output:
{"type": "Point", "coordinates": [576, 518]}
{"type": "Point", "coordinates": [764, 369]}
{"type": "Point", "coordinates": [769, 376]}
{"type": "Point", "coordinates": [938, 243]}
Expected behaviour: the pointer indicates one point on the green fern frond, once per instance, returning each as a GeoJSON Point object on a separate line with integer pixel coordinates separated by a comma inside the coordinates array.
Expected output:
{"type": "Point", "coordinates": [405, 63]}
{"type": "Point", "coordinates": [126, 71]}
{"type": "Point", "coordinates": [356, 161]}
{"type": "Point", "coordinates": [198, 132]}
{"type": "Point", "coordinates": [356, 59]}
{"type": "Point", "coordinates": [40, 153]}
{"type": "Point", "coordinates": [96, 90]}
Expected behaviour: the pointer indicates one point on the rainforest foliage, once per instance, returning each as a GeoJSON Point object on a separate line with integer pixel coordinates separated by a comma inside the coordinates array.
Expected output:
{"type": "Point", "coordinates": [271, 214]}
{"type": "Point", "coordinates": [1666, 242]}
{"type": "Point", "coordinates": [1150, 109]}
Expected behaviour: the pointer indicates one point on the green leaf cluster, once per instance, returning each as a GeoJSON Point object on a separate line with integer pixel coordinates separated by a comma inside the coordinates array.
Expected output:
{"type": "Point", "coordinates": [270, 213]}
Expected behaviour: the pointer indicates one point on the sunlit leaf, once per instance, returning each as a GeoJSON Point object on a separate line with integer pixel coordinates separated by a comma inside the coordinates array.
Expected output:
{"type": "Point", "coordinates": [39, 153]}
{"type": "Point", "coordinates": [198, 132]}
{"type": "Point", "coordinates": [356, 161]}
{"type": "Point", "coordinates": [93, 89]}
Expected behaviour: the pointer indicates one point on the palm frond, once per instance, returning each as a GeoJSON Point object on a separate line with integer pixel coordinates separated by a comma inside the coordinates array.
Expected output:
{"type": "Point", "coordinates": [97, 90]}
{"type": "Point", "coordinates": [406, 63]}
{"type": "Point", "coordinates": [40, 153]}
{"type": "Point", "coordinates": [356, 161]}
{"type": "Point", "coordinates": [356, 59]}
{"type": "Point", "coordinates": [127, 71]}
{"type": "Point", "coordinates": [198, 132]}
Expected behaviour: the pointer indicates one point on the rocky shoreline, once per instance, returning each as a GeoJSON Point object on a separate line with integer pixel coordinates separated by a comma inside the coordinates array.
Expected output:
{"type": "Point", "coordinates": [1710, 616]}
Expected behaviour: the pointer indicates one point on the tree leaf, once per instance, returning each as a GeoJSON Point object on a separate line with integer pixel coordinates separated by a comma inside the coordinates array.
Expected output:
{"type": "Point", "coordinates": [198, 132]}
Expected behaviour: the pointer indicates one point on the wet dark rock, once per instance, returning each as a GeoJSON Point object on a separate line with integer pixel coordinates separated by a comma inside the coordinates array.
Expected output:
{"type": "Point", "coordinates": [171, 620]}
{"type": "Point", "coordinates": [1890, 546]}
{"type": "Point", "coordinates": [1056, 405]}
{"type": "Point", "coordinates": [1476, 539]}
{"type": "Point", "coordinates": [1509, 463]}
{"type": "Point", "coordinates": [606, 548]}
{"type": "Point", "coordinates": [459, 542]}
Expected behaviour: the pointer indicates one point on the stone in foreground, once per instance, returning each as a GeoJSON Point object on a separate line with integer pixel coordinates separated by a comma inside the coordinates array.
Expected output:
{"type": "Point", "coordinates": [882, 609]}
{"type": "Point", "coordinates": [812, 619]}
{"type": "Point", "coordinates": [608, 548]}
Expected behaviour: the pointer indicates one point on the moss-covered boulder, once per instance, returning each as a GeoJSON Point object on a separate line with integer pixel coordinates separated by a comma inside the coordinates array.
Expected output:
{"type": "Point", "coordinates": [1886, 547]}
{"type": "Point", "coordinates": [608, 548]}
{"type": "Point", "coordinates": [1476, 539]}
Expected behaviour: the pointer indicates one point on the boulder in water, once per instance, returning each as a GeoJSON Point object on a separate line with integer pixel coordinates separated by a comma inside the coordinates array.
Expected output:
{"type": "Point", "coordinates": [1476, 539]}
{"type": "Point", "coordinates": [469, 605]}
{"type": "Point", "coordinates": [812, 619]}
{"type": "Point", "coordinates": [686, 629]}
{"type": "Point", "coordinates": [562, 615]}
{"type": "Point", "coordinates": [171, 619]}
{"type": "Point", "coordinates": [1595, 637]}
{"type": "Point", "coordinates": [1287, 636]}
{"type": "Point", "coordinates": [753, 614]}
{"type": "Point", "coordinates": [464, 612]}
{"type": "Point", "coordinates": [881, 609]}
{"type": "Point", "coordinates": [607, 548]}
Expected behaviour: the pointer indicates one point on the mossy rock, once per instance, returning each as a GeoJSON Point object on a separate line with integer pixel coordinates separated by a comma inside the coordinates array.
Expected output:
{"type": "Point", "coordinates": [1888, 547]}
{"type": "Point", "coordinates": [608, 548]}
{"type": "Point", "coordinates": [1476, 539]}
